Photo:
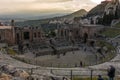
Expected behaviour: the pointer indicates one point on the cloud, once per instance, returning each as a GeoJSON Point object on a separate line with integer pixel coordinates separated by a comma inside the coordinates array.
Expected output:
{"type": "Point", "coordinates": [42, 6]}
{"type": "Point", "coordinates": [97, 1]}
{"type": "Point", "coordinates": [44, 1]}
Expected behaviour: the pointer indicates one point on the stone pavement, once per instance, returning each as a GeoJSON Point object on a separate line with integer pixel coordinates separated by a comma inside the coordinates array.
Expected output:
{"type": "Point", "coordinates": [6, 59]}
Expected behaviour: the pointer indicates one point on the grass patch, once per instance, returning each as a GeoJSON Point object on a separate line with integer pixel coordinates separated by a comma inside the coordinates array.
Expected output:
{"type": "Point", "coordinates": [111, 32]}
{"type": "Point", "coordinates": [103, 43]}
{"type": "Point", "coordinates": [11, 51]}
{"type": "Point", "coordinates": [94, 78]}
{"type": "Point", "coordinates": [117, 25]}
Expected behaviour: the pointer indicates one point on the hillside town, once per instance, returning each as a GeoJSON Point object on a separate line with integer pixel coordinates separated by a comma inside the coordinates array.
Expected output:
{"type": "Point", "coordinates": [85, 46]}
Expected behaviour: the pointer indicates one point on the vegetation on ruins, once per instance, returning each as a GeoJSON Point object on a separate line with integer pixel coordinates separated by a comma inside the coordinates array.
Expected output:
{"type": "Point", "coordinates": [117, 25]}
{"type": "Point", "coordinates": [111, 32]}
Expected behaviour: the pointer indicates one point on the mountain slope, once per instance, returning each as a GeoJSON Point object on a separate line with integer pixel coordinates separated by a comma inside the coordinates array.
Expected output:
{"type": "Point", "coordinates": [46, 21]}
{"type": "Point", "coordinates": [76, 14]}
{"type": "Point", "coordinates": [98, 10]}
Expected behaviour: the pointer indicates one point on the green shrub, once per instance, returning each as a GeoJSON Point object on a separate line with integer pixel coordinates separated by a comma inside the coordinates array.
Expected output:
{"type": "Point", "coordinates": [11, 51]}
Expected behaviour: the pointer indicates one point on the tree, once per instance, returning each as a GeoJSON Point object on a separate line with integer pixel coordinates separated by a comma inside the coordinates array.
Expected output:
{"type": "Point", "coordinates": [107, 18]}
{"type": "Point", "coordinates": [92, 22]}
{"type": "Point", "coordinates": [104, 19]}
{"type": "Point", "coordinates": [20, 47]}
{"type": "Point", "coordinates": [52, 45]}
{"type": "Point", "coordinates": [116, 13]}
{"type": "Point", "coordinates": [92, 43]}
{"type": "Point", "coordinates": [85, 37]}
{"type": "Point", "coordinates": [52, 34]}
{"type": "Point", "coordinates": [100, 20]}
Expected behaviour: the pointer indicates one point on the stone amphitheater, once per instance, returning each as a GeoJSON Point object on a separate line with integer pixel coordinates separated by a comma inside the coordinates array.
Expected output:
{"type": "Point", "coordinates": [12, 69]}
{"type": "Point", "coordinates": [9, 65]}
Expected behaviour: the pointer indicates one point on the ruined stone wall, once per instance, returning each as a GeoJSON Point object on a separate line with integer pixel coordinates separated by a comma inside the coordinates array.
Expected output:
{"type": "Point", "coordinates": [76, 33]}
{"type": "Point", "coordinates": [9, 37]}
{"type": "Point", "coordinates": [35, 35]}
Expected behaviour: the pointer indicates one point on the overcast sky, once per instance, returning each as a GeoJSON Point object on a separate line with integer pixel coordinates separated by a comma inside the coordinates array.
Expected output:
{"type": "Point", "coordinates": [44, 6]}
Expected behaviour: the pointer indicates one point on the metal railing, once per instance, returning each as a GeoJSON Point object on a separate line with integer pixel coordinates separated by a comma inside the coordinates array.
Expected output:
{"type": "Point", "coordinates": [67, 72]}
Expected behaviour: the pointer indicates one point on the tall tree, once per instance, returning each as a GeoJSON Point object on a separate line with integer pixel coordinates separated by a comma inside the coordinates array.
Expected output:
{"type": "Point", "coordinates": [85, 37]}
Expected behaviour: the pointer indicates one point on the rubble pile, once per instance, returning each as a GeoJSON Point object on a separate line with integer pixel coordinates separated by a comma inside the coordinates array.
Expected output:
{"type": "Point", "coordinates": [8, 72]}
